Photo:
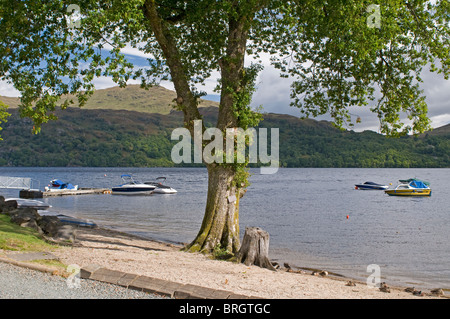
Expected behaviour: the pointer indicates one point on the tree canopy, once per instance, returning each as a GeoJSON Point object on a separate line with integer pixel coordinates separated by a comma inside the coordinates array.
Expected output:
{"type": "Point", "coordinates": [338, 59]}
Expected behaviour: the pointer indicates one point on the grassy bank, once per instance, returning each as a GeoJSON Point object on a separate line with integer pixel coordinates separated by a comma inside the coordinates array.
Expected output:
{"type": "Point", "coordinates": [17, 238]}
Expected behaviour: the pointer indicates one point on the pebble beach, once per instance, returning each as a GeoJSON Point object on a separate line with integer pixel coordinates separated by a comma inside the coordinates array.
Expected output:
{"type": "Point", "coordinates": [135, 255]}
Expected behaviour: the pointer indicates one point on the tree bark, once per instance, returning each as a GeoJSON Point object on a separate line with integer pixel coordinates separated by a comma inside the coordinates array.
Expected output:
{"type": "Point", "coordinates": [220, 224]}
{"type": "Point", "coordinates": [231, 68]}
{"type": "Point", "coordinates": [186, 101]}
{"type": "Point", "coordinates": [255, 248]}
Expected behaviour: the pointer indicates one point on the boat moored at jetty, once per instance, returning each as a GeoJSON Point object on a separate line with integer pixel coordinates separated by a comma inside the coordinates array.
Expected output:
{"type": "Point", "coordinates": [132, 187]}
{"type": "Point", "coordinates": [57, 185]}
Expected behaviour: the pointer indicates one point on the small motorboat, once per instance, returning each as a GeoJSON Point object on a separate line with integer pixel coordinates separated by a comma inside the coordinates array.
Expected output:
{"type": "Point", "coordinates": [29, 203]}
{"type": "Point", "coordinates": [132, 187]}
{"type": "Point", "coordinates": [371, 186]}
{"type": "Point", "coordinates": [57, 185]}
{"type": "Point", "coordinates": [410, 187]}
{"type": "Point", "coordinates": [160, 188]}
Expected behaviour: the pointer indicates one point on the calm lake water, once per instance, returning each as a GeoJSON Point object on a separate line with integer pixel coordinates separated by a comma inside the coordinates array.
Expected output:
{"type": "Point", "coordinates": [303, 209]}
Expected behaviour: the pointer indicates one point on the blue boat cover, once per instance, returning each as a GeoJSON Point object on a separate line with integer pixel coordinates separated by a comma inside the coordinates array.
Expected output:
{"type": "Point", "coordinates": [61, 185]}
{"type": "Point", "coordinates": [418, 184]}
{"type": "Point", "coordinates": [413, 179]}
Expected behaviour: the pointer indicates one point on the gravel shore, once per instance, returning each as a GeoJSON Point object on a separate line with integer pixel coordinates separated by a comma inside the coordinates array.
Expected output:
{"type": "Point", "coordinates": [134, 255]}
{"type": "Point", "coordinates": [22, 283]}
{"type": "Point", "coordinates": [130, 254]}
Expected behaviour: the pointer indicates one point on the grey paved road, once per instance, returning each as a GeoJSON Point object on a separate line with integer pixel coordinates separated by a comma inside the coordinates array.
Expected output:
{"type": "Point", "coordinates": [21, 283]}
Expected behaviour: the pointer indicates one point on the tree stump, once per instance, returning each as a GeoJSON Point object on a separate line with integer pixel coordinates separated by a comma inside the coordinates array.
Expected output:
{"type": "Point", "coordinates": [255, 248]}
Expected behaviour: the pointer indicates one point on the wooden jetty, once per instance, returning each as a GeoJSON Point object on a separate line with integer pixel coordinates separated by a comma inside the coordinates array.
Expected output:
{"type": "Point", "coordinates": [30, 193]}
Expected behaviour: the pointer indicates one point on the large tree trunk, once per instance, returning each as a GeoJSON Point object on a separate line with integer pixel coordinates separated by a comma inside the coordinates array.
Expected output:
{"type": "Point", "coordinates": [220, 224]}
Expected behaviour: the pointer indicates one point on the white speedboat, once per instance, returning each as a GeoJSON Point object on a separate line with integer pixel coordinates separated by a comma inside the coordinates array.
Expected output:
{"type": "Point", "coordinates": [132, 187]}
{"type": "Point", "coordinates": [160, 188]}
{"type": "Point", "coordinates": [371, 185]}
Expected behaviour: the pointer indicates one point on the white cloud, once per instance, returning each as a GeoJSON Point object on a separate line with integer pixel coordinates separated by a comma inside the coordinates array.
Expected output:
{"type": "Point", "coordinates": [440, 120]}
{"type": "Point", "coordinates": [7, 89]}
{"type": "Point", "coordinates": [129, 50]}
{"type": "Point", "coordinates": [135, 52]}
{"type": "Point", "coordinates": [437, 92]}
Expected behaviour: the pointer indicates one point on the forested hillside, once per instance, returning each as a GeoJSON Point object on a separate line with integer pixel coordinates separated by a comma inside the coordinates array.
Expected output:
{"type": "Point", "coordinates": [87, 137]}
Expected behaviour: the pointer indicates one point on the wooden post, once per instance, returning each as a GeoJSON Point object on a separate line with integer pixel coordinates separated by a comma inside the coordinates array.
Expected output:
{"type": "Point", "coordinates": [255, 248]}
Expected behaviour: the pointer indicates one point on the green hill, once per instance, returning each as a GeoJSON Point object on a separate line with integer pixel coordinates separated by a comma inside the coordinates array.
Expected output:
{"type": "Point", "coordinates": [132, 98]}
{"type": "Point", "coordinates": [99, 137]}
{"type": "Point", "coordinates": [440, 131]}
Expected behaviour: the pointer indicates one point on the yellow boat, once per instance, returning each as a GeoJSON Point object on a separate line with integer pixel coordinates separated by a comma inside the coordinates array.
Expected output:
{"type": "Point", "coordinates": [412, 187]}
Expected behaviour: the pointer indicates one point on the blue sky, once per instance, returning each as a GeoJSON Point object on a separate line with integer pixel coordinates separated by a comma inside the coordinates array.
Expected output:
{"type": "Point", "coordinates": [273, 94]}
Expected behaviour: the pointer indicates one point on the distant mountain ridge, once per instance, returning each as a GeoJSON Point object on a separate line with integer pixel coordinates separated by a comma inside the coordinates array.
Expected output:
{"type": "Point", "coordinates": [156, 99]}
{"type": "Point", "coordinates": [102, 138]}
{"type": "Point", "coordinates": [133, 126]}
{"type": "Point", "coordinates": [439, 131]}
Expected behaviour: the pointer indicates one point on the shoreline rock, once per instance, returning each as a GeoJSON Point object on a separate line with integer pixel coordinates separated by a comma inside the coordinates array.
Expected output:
{"type": "Point", "coordinates": [50, 227]}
